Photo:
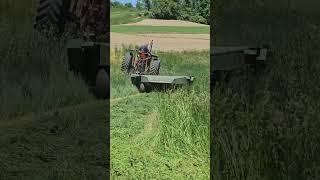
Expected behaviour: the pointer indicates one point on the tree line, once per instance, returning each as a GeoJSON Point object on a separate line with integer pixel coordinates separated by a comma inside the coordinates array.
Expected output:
{"type": "Point", "coordinates": [189, 10]}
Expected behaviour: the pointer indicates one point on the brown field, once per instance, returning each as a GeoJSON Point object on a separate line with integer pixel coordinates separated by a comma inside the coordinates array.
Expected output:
{"type": "Point", "coordinates": [164, 42]}
{"type": "Point", "coordinates": [159, 22]}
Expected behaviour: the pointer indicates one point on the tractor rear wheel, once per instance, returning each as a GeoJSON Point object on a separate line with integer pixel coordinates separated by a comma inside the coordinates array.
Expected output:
{"type": "Point", "coordinates": [127, 63]}
{"type": "Point", "coordinates": [102, 84]}
{"type": "Point", "coordinates": [155, 67]}
{"type": "Point", "coordinates": [51, 13]}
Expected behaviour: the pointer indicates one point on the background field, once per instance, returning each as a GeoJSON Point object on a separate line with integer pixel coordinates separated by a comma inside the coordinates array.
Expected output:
{"type": "Point", "coordinates": [168, 35]}
{"type": "Point", "coordinates": [160, 29]}
{"type": "Point", "coordinates": [51, 126]}
{"type": "Point", "coordinates": [161, 135]}
{"type": "Point", "coordinates": [269, 132]}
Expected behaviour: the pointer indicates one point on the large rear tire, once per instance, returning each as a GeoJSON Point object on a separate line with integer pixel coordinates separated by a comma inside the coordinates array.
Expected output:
{"type": "Point", "coordinates": [155, 67]}
{"type": "Point", "coordinates": [126, 63]}
{"type": "Point", "coordinates": [102, 84]}
{"type": "Point", "coordinates": [51, 14]}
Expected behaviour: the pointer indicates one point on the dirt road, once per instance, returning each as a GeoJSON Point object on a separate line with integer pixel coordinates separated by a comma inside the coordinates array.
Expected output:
{"type": "Point", "coordinates": [164, 42]}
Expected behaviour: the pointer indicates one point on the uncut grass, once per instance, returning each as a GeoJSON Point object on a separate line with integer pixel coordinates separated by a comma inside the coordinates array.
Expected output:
{"type": "Point", "coordinates": [120, 83]}
{"type": "Point", "coordinates": [46, 114]}
{"type": "Point", "coordinates": [271, 133]}
{"type": "Point", "coordinates": [33, 69]}
{"type": "Point", "coordinates": [164, 135]}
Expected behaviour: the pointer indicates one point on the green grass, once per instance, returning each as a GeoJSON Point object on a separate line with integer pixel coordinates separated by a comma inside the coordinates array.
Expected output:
{"type": "Point", "coordinates": [160, 29]}
{"type": "Point", "coordinates": [40, 137]}
{"type": "Point", "coordinates": [63, 143]}
{"type": "Point", "coordinates": [124, 16]}
{"type": "Point", "coordinates": [34, 69]}
{"type": "Point", "coordinates": [161, 135]}
{"type": "Point", "coordinates": [271, 131]}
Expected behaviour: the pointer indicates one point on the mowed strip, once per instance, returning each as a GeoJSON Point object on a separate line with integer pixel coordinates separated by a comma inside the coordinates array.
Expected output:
{"type": "Point", "coordinates": [163, 42]}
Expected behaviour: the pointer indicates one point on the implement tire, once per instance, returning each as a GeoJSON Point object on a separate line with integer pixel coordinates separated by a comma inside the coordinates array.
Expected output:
{"type": "Point", "coordinates": [102, 85]}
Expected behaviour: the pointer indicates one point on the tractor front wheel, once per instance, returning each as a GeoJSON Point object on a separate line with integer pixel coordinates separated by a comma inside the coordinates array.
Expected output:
{"type": "Point", "coordinates": [155, 67]}
{"type": "Point", "coordinates": [102, 84]}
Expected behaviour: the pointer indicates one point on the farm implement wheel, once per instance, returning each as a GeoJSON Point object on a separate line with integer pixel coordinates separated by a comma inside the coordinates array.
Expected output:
{"type": "Point", "coordinates": [126, 63]}
{"type": "Point", "coordinates": [102, 82]}
{"type": "Point", "coordinates": [143, 88]}
{"type": "Point", "coordinates": [155, 67]}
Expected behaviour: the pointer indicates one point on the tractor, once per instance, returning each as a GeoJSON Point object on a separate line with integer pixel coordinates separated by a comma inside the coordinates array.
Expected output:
{"type": "Point", "coordinates": [144, 67]}
{"type": "Point", "coordinates": [84, 24]}
{"type": "Point", "coordinates": [141, 61]}
{"type": "Point", "coordinates": [75, 18]}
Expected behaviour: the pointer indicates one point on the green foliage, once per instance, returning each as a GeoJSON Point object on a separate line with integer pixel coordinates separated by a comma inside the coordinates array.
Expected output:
{"type": "Point", "coordinates": [116, 4]}
{"type": "Point", "coordinates": [139, 5]}
{"type": "Point", "coordinates": [196, 11]}
{"type": "Point", "coordinates": [129, 5]}
{"type": "Point", "coordinates": [189, 10]}
{"type": "Point", "coordinates": [148, 4]}
{"type": "Point", "coordinates": [165, 9]}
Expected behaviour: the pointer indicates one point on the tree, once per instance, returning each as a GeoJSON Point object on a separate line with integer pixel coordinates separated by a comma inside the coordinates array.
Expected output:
{"type": "Point", "coordinates": [116, 4]}
{"type": "Point", "coordinates": [139, 4]}
{"type": "Point", "coordinates": [165, 9]}
{"type": "Point", "coordinates": [128, 5]}
{"type": "Point", "coordinates": [147, 4]}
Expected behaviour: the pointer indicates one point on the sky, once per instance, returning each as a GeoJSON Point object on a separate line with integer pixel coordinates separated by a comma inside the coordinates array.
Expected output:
{"type": "Point", "coordinates": [133, 2]}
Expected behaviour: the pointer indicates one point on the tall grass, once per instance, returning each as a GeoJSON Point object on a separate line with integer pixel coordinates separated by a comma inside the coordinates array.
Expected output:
{"type": "Point", "coordinates": [162, 135]}
{"type": "Point", "coordinates": [40, 137]}
{"type": "Point", "coordinates": [120, 84]}
{"type": "Point", "coordinates": [271, 133]}
{"type": "Point", "coordinates": [34, 73]}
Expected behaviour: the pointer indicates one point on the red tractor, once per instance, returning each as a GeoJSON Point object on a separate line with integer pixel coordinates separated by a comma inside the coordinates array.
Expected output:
{"type": "Point", "coordinates": [141, 61]}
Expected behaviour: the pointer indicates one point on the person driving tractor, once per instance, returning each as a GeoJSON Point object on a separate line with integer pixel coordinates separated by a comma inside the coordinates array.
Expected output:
{"type": "Point", "coordinates": [143, 51]}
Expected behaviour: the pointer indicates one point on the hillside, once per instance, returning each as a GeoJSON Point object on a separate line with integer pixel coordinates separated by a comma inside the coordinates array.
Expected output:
{"type": "Point", "coordinates": [122, 15]}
